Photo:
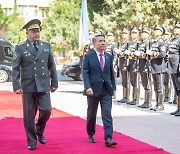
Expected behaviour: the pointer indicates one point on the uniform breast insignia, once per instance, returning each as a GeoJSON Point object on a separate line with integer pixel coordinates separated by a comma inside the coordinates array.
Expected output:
{"type": "Point", "coordinates": [46, 50]}
{"type": "Point", "coordinates": [26, 53]}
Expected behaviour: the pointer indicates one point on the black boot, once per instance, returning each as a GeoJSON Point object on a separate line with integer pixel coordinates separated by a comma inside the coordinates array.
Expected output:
{"type": "Point", "coordinates": [152, 108]}
{"type": "Point", "coordinates": [124, 100]}
{"type": "Point", "coordinates": [167, 92]}
{"type": "Point", "coordinates": [178, 107]}
{"type": "Point", "coordinates": [160, 105]}
{"type": "Point", "coordinates": [175, 99]}
{"type": "Point", "coordinates": [135, 97]}
{"type": "Point", "coordinates": [147, 103]}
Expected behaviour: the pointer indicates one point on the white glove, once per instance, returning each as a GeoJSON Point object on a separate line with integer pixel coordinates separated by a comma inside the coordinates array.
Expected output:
{"type": "Point", "coordinates": [149, 52]}
{"type": "Point", "coordinates": [137, 53]}
{"type": "Point", "coordinates": [127, 52]}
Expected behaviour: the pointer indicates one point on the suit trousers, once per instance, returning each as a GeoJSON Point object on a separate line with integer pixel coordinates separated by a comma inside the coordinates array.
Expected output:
{"type": "Point", "coordinates": [105, 100]}
{"type": "Point", "coordinates": [176, 82]}
{"type": "Point", "coordinates": [157, 82]}
{"type": "Point", "coordinates": [30, 103]}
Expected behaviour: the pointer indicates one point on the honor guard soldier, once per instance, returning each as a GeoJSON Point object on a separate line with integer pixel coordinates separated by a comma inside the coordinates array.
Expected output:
{"type": "Point", "coordinates": [166, 77]}
{"type": "Point", "coordinates": [133, 65]}
{"type": "Point", "coordinates": [124, 65]}
{"type": "Point", "coordinates": [97, 32]}
{"type": "Point", "coordinates": [34, 76]}
{"type": "Point", "coordinates": [111, 48]}
{"type": "Point", "coordinates": [174, 63]}
{"type": "Point", "coordinates": [91, 35]}
{"type": "Point", "coordinates": [144, 64]}
{"type": "Point", "coordinates": [157, 54]}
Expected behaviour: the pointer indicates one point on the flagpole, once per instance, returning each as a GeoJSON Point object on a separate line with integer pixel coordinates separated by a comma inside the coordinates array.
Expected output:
{"type": "Point", "coordinates": [83, 31]}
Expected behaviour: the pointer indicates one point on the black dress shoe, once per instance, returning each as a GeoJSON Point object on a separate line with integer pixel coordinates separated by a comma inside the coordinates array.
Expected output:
{"type": "Point", "coordinates": [158, 108]}
{"type": "Point", "coordinates": [177, 113]}
{"type": "Point", "coordinates": [31, 147]}
{"type": "Point", "coordinates": [133, 102]}
{"type": "Point", "coordinates": [145, 105]}
{"type": "Point", "coordinates": [124, 100]}
{"type": "Point", "coordinates": [42, 140]}
{"type": "Point", "coordinates": [109, 142]}
{"type": "Point", "coordinates": [173, 113]}
{"type": "Point", "coordinates": [91, 139]}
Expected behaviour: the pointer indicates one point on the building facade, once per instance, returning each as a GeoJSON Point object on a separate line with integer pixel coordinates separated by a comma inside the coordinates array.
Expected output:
{"type": "Point", "coordinates": [28, 9]}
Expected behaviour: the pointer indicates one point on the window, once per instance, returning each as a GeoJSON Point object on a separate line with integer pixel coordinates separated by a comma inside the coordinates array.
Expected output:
{"type": "Point", "coordinates": [8, 51]}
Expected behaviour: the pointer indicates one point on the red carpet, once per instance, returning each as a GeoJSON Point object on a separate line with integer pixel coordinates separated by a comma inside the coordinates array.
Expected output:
{"type": "Point", "coordinates": [65, 134]}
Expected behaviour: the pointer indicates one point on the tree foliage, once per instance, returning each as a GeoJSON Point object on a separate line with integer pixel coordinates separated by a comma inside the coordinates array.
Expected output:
{"type": "Point", "coordinates": [62, 25]}
{"type": "Point", "coordinates": [137, 13]}
{"type": "Point", "coordinates": [10, 27]}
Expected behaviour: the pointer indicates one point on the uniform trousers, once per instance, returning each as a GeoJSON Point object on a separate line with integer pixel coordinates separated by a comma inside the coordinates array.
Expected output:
{"type": "Point", "coordinates": [124, 75]}
{"type": "Point", "coordinates": [105, 100]}
{"type": "Point", "coordinates": [145, 80]}
{"type": "Point", "coordinates": [30, 103]}
{"type": "Point", "coordinates": [133, 79]}
{"type": "Point", "coordinates": [176, 82]}
{"type": "Point", "coordinates": [165, 78]}
{"type": "Point", "coordinates": [157, 82]}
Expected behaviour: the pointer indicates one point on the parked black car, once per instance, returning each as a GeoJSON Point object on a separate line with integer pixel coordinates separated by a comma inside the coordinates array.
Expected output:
{"type": "Point", "coordinates": [6, 52]}
{"type": "Point", "coordinates": [6, 56]}
{"type": "Point", "coordinates": [72, 70]}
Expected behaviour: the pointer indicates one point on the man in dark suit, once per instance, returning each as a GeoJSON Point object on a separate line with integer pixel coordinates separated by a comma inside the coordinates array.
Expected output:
{"type": "Point", "coordinates": [34, 75]}
{"type": "Point", "coordinates": [99, 84]}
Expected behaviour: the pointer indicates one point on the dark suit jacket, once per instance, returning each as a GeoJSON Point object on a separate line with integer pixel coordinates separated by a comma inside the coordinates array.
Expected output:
{"type": "Point", "coordinates": [93, 77]}
{"type": "Point", "coordinates": [34, 71]}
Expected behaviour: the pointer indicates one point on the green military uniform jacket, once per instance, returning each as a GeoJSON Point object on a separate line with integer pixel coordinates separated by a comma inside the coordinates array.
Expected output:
{"type": "Point", "coordinates": [34, 71]}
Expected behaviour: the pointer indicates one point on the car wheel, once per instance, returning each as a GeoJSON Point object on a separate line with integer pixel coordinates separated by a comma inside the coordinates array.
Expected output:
{"type": "Point", "coordinates": [3, 76]}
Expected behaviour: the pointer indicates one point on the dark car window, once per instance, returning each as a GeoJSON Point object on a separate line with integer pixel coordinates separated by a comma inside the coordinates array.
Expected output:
{"type": "Point", "coordinates": [8, 51]}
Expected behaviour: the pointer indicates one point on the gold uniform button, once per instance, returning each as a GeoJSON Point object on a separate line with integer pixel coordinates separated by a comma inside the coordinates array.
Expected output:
{"type": "Point", "coordinates": [35, 68]}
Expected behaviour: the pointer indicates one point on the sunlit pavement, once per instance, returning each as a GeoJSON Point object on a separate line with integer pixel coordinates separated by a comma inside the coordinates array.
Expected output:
{"type": "Point", "coordinates": [159, 129]}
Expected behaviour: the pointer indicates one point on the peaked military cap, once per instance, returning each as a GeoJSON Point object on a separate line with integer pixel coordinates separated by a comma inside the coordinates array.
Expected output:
{"type": "Point", "coordinates": [33, 24]}
{"type": "Point", "coordinates": [125, 30]}
{"type": "Point", "coordinates": [97, 31]}
{"type": "Point", "coordinates": [135, 30]}
{"type": "Point", "coordinates": [159, 27]}
{"type": "Point", "coordinates": [147, 30]}
{"type": "Point", "coordinates": [110, 33]}
{"type": "Point", "coordinates": [168, 32]}
{"type": "Point", "coordinates": [177, 24]}
{"type": "Point", "coordinates": [91, 32]}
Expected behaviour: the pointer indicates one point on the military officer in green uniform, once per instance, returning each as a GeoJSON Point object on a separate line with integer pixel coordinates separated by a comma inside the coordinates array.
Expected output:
{"type": "Point", "coordinates": [34, 76]}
